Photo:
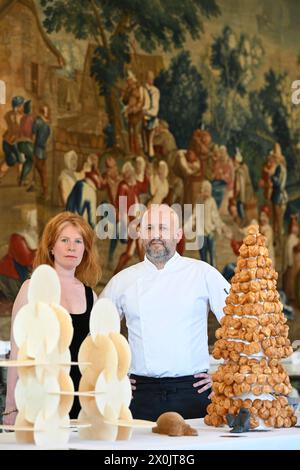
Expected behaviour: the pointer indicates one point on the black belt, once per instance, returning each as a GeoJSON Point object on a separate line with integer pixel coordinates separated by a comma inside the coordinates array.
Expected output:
{"type": "Point", "coordinates": [164, 380]}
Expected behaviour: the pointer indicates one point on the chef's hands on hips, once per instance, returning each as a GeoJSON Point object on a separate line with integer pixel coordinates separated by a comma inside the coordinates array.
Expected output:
{"type": "Point", "coordinates": [204, 384]}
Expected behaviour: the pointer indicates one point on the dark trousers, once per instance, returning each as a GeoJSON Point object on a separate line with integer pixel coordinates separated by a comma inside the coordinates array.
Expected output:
{"type": "Point", "coordinates": [153, 397]}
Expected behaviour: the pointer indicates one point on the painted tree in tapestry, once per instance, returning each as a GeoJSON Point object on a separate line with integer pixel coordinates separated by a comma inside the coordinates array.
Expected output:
{"type": "Point", "coordinates": [114, 26]}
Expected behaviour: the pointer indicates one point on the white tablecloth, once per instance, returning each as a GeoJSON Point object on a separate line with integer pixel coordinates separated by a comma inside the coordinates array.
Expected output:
{"type": "Point", "coordinates": [208, 439]}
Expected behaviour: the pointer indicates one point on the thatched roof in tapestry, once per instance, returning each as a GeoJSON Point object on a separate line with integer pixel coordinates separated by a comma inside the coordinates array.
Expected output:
{"type": "Point", "coordinates": [7, 5]}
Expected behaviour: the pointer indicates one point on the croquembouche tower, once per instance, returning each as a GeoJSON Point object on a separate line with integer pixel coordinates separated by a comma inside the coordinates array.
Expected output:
{"type": "Point", "coordinates": [252, 340]}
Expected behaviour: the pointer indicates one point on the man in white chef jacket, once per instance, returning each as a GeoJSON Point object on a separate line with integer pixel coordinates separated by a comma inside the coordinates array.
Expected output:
{"type": "Point", "coordinates": [165, 300]}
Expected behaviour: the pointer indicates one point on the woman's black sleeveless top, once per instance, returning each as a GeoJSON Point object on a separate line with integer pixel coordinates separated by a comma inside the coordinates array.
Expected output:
{"type": "Point", "coordinates": [81, 325]}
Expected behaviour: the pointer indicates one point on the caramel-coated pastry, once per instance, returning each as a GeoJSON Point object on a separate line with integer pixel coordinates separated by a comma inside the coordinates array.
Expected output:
{"type": "Point", "coordinates": [279, 422]}
{"type": "Point", "coordinates": [263, 251]}
{"type": "Point", "coordinates": [238, 310]}
{"type": "Point", "coordinates": [216, 420]}
{"type": "Point", "coordinates": [244, 251]}
{"type": "Point", "coordinates": [253, 410]}
{"type": "Point", "coordinates": [234, 356]}
{"type": "Point", "coordinates": [270, 422]}
{"type": "Point", "coordinates": [271, 295]}
{"type": "Point", "coordinates": [261, 240]}
{"type": "Point", "coordinates": [263, 296]}
{"type": "Point", "coordinates": [287, 423]}
{"type": "Point", "coordinates": [261, 379]}
{"type": "Point", "coordinates": [219, 333]}
{"type": "Point", "coordinates": [233, 298]}
{"type": "Point", "coordinates": [251, 379]}
{"type": "Point", "coordinates": [228, 310]}
{"type": "Point", "coordinates": [239, 347]}
{"type": "Point", "coordinates": [266, 331]}
{"type": "Point", "coordinates": [254, 422]}
{"type": "Point", "coordinates": [255, 286]}
{"type": "Point", "coordinates": [279, 388]}
{"type": "Point", "coordinates": [253, 251]}
{"type": "Point", "coordinates": [228, 391]}
{"type": "Point", "coordinates": [263, 413]}
{"type": "Point", "coordinates": [266, 389]}
{"type": "Point", "coordinates": [252, 229]}
{"type": "Point", "coordinates": [268, 307]}
{"type": "Point", "coordinates": [261, 261]}
{"type": "Point", "coordinates": [268, 262]}
{"type": "Point", "coordinates": [245, 369]}
{"type": "Point", "coordinates": [228, 378]}
{"type": "Point", "coordinates": [258, 309]}
{"type": "Point", "coordinates": [235, 278]}
{"type": "Point", "coordinates": [221, 410]}
{"type": "Point", "coordinates": [217, 354]}
{"type": "Point", "coordinates": [293, 420]}
{"type": "Point", "coordinates": [274, 412]}
{"type": "Point", "coordinates": [238, 403]}
{"type": "Point", "coordinates": [248, 336]}
{"type": "Point", "coordinates": [263, 284]}
{"type": "Point", "coordinates": [243, 361]}
{"type": "Point", "coordinates": [251, 263]}
{"type": "Point", "coordinates": [236, 389]}
{"type": "Point", "coordinates": [257, 369]}
{"type": "Point", "coordinates": [257, 404]}
{"type": "Point", "coordinates": [251, 298]}
{"type": "Point", "coordinates": [232, 410]}
{"type": "Point", "coordinates": [256, 390]}
{"type": "Point", "coordinates": [270, 284]}
{"type": "Point", "coordinates": [277, 379]}
{"type": "Point", "coordinates": [252, 273]}
{"type": "Point", "coordinates": [245, 276]}
{"type": "Point", "coordinates": [207, 420]}
{"type": "Point", "coordinates": [235, 287]}
{"type": "Point", "coordinates": [245, 388]}
{"type": "Point", "coordinates": [252, 348]}
{"type": "Point", "coordinates": [260, 273]}
{"type": "Point", "coordinates": [244, 287]}
{"type": "Point", "coordinates": [247, 403]}
{"type": "Point", "coordinates": [250, 240]}
{"type": "Point", "coordinates": [242, 264]}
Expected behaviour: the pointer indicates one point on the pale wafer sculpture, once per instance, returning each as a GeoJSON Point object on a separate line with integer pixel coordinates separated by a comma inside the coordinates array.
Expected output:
{"type": "Point", "coordinates": [44, 391]}
{"type": "Point", "coordinates": [252, 339]}
{"type": "Point", "coordinates": [109, 356]}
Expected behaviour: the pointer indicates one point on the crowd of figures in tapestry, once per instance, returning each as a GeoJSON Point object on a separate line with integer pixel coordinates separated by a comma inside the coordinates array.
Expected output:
{"type": "Point", "coordinates": [186, 105]}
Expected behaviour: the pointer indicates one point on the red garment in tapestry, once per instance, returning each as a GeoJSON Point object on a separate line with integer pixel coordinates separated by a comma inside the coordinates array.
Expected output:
{"type": "Point", "coordinates": [18, 251]}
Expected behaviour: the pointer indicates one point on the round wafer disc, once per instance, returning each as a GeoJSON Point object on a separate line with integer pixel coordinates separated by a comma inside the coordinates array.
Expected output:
{"type": "Point", "coordinates": [102, 355]}
{"type": "Point", "coordinates": [124, 353]}
{"type": "Point", "coordinates": [51, 432]}
{"type": "Point", "coordinates": [66, 327]}
{"type": "Point", "coordinates": [66, 385]}
{"type": "Point", "coordinates": [104, 318]}
{"type": "Point", "coordinates": [38, 327]}
{"type": "Point", "coordinates": [99, 430]}
{"type": "Point", "coordinates": [87, 384]}
{"type": "Point", "coordinates": [34, 397]}
{"type": "Point", "coordinates": [124, 433]}
{"type": "Point", "coordinates": [25, 372]}
{"type": "Point", "coordinates": [114, 393]}
{"type": "Point", "coordinates": [23, 437]}
{"type": "Point", "coordinates": [52, 364]}
{"type": "Point", "coordinates": [44, 285]}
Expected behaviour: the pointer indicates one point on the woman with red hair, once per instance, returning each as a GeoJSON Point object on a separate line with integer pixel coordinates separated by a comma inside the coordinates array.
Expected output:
{"type": "Point", "coordinates": [68, 244]}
